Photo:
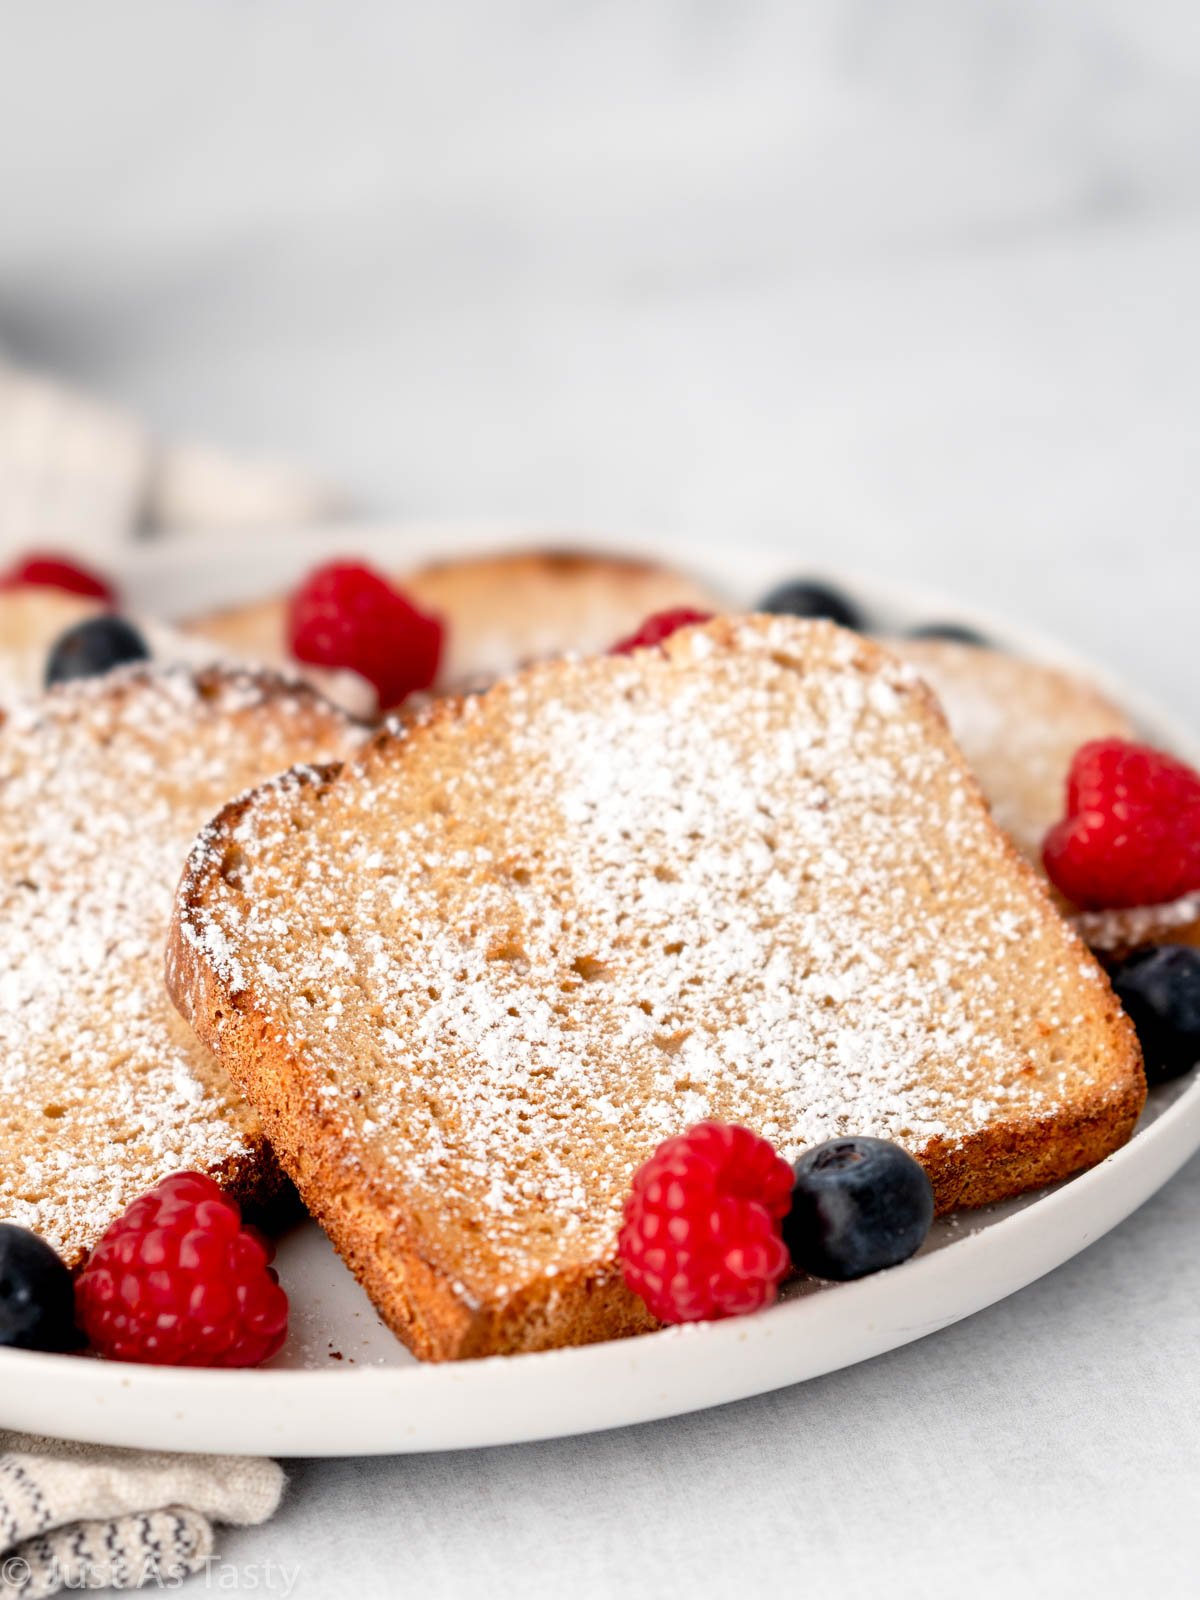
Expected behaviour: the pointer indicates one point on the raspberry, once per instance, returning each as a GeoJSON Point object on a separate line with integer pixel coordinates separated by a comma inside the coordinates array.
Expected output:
{"type": "Point", "coordinates": [1131, 835]}
{"type": "Point", "coordinates": [346, 615]}
{"type": "Point", "coordinates": [55, 572]}
{"type": "Point", "coordinates": [178, 1282]}
{"type": "Point", "coordinates": [702, 1235]}
{"type": "Point", "coordinates": [658, 627]}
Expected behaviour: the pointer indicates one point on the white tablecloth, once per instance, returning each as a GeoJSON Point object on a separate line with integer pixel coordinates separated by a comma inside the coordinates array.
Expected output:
{"type": "Point", "coordinates": [1045, 1447]}
{"type": "Point", "coordinates": [915, 285]}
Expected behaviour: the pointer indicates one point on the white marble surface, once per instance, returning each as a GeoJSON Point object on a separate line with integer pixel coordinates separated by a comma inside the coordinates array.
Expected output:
{"type": "Point", "coordinates": [914, 284]}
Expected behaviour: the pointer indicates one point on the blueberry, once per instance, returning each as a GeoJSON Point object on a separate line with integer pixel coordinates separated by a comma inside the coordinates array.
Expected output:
{"type": "Point", "coordinates": [956, 632]}
{"type": "Point", "coordinates": [94, 647]}
{"type": "Point", "coordinates": [858, 1205]}
{"type": "Point", "coordinates": [1160, 989]}
{"type": "Point", "coordinates": [37, 1295]}
{"type": "Point", "coordinates": [804, 599]}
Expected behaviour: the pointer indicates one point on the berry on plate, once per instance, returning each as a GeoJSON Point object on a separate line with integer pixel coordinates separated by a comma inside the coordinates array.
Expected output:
{"type": "Point", "coordinates": [803, 598]}
{"type": "Point", "coordinates": [661, 625]}
{"type": "Point", "coordinates": [1160, 990]}
{"type": "Point", "coordinates": [701, 1236]}
{"type": "Point", "coordinates": [178, 1281]}
{"type": "Point", "coordinates": [345, 615]}
{"type": "Point", "coordinates": [41, 569]}
{"type": "Point", "coordinates": [92, 648]}
{"type": "Point", "coordinates": [1131, 835]}
{"type": "Point", "coordinates": [952, 632]}
{"type": "Point", "coordinates": [858, 1205]}
{"type": "Point", "coordinates": [37, 1297]}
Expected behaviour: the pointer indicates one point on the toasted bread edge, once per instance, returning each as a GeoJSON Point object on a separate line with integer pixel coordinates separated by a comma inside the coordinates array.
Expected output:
{"type": "Point", "coordinates": [420, 1301]}
{"type": "Point", "coordinates": [438, 1319]}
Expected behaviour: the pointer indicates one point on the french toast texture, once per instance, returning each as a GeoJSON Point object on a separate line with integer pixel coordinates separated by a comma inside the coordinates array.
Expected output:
{"type": "Point", "coordinates": [500, 611]}
{"type": "Point", "coordinates": [471, 978]}
{"type": "Point", "coordinates": [103, 783]}
{"type": "Point", "coordinates": [1019, 723]}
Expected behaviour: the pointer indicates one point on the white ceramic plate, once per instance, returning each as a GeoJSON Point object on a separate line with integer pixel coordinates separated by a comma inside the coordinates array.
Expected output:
{"type": "Point", "coordinates": [344, 1386]}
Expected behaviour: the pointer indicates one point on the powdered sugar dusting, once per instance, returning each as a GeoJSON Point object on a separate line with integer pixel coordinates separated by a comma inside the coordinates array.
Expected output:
{"type": "Point", "coordinates": [1127, 927]}
{"type": "Point", "coordinates": [103, 785]}
{"type": "Point", "coordinates": [1018, 723]}
{"type": "Point", "coordinates": [747, 877]}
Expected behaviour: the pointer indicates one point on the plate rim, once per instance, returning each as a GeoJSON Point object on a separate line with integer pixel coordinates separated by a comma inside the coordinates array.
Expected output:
{"type": "Point", "coordinates": [547, 1394]}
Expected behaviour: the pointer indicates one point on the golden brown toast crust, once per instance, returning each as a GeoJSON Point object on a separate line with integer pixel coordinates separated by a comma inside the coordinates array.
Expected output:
{"type": "Point", "coordinates": [377, 1240]}
{"type": "Point", "coordinates": [102, 786]}
{"type": "Point", "coordinates": [450, 1299]}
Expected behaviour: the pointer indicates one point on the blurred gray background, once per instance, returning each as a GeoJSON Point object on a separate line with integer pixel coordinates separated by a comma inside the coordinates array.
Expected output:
{"type": "Point", "coordinates": [910, 285]}
{"type": "Point", "coordinates": [885, 275]}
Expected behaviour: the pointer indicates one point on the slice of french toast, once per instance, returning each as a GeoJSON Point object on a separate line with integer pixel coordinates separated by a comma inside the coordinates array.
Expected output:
{"type": "Point", "coordinates": [103, 783]}
{"type": "Point", "coordinates": [473, 977]}
{"type": "Point", "coordinates": [1019, 723]}
{"type": "Point", "coordinates": [507, 610]}
{"type": "Point", "coordinates": [499, 611]}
